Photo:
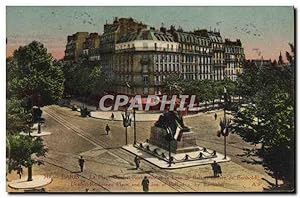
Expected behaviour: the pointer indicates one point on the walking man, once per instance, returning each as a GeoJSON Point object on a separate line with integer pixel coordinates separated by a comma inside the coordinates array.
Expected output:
{"type": "Point", "coordinates": [145, 184]}
{"type": "Point", "coordinates": [216, 116]}
{"type": "Point", "coordinates": [137, 162]}
{"type": "Point", "coordinates": [81, 163]}
{"type": "Point", "coordinates": [107, 129]}
{"type": "Point", "coordinates": [112, 116]}
{"type": "Point", "coordinates": [214, 168]}
{"type": "Point", "coordinates": [219, 171]}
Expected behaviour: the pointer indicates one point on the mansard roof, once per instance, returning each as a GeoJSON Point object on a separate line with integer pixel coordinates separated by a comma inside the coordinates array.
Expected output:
{"type": "Point", "coordinates": [187, 37]}
{"type": "Point", "coordinates": [215, 37]}
{"type": "Point", "coordinates": [146, 35]}
{"type": "Point", "coordinates": [233, 43]}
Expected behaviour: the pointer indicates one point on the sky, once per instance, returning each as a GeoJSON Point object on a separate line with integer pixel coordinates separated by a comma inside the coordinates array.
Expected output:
{"type": "Point", "coordinates": [263, 31]}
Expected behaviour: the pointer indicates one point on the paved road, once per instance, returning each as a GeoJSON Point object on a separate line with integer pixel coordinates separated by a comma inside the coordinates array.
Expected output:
{"type": "Point", "coordinates": [110, 168]}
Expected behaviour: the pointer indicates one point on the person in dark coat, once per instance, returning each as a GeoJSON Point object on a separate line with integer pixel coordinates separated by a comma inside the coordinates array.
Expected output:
{"type": "Point", "coordinates": [107, 129]}
{"type": "Point", "coordinates": [137, 162]}
{"type": "Point", "coordinates": [214, 168]}
{"type": "Point", "coordinates": [219, 171]}
{"type": "Point", "coordinates": [81, 163]}
{"type": "Point", "coordinates": [216, 116]}
{"type": "Point", "coordinates": [112, 116]}
{"type": "Point", "coordinates": [145, 184]}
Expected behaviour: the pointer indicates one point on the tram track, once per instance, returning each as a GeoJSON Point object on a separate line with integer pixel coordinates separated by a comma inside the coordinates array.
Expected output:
{"type": "Point", "coordinates": [155, 172]}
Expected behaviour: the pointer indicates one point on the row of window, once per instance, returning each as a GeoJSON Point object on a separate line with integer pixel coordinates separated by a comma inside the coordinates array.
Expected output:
{"type": "Point", "coordinates": [236, 50]}
{"type": "Point", "coordinates": [196, 77]}
{"type": "Point", "coordinates": [215, 45]}
{"type": "Point", "coordinates": [160, 59]}
{"type": "Point", "coordinates": [193, 68]}
{"type": "Point", "coordinates": [167, 67]}
{"type": "Point", "coordinates": [194, 48]}
{"type": "Point", "coordinates": [230, 72]}
{"type": "Point", "coordinates": [165, 58]}
{"type": "Point", "coordinates": [197, 40]}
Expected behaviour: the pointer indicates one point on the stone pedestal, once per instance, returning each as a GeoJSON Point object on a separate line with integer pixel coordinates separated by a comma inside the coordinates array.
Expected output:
{"type": "Point", "coordinates": [187, 142]}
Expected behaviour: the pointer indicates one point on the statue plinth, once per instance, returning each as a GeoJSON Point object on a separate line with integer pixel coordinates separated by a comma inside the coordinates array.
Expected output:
{"type": "Point", "coordinates": [187, 143]}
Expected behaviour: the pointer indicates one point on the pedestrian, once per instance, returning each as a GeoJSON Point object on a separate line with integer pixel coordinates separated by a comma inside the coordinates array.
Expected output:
{"type": "Point", "coordinates": [20, 171]}
{"type": "Point", "coordinates": [137, 162]}
{"type": "Point", "coordinates": [216, 116]}
{"type": "Point", "coordinates": [145, 184]}
{"type": "Point", "coordinates": [39, 127]}
{"type": "Point", "coordinates": [214, 168]}
{"type": "Point", "coordinates": [81, 163]}
{"type": "Point", "coordinates": [112, 116]}
{"type": "Point", "coordinates": [219, 171]}
{"type": "Point", "coordinates": [107, 129]}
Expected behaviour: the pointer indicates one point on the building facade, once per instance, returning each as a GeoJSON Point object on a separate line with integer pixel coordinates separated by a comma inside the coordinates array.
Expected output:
{"type": "Point", "coordinates": [92, 41]}
{"type": "Point", "coordinates": [74, 46]}
{"type": "Point", "coordinates": [234, 58]}
{"type": "Point", "coordinates": [195, 55]}
{"type": "Point", "coordinates": [112, 33]}
{"type": "Point", "coordinates": [143, 59]}
{"type": "Point", "coordinates": [138, 59]}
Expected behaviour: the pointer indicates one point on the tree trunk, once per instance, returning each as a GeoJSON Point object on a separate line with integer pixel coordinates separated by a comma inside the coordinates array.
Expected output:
{"type": "Point", "coordinates": [126, 136]}
{"type": "Point", "coordinates": [29, 173]}
{"type": "Point", "coordinates": [225, 156]}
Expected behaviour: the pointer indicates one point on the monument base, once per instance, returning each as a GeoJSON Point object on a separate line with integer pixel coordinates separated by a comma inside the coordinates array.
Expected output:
{"type": "Point", "coordinates": [187, 143]}
{"type": "Point", "coordinates": [178, 158]}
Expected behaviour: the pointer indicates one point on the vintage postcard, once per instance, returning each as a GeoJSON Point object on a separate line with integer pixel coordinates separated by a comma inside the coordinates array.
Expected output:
{"type": "Point", "coordinates": [150, 99]}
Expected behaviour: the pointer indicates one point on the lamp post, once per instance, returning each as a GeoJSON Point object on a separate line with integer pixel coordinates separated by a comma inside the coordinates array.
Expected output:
{"type": "Point", "coordinates": [225, 123]}
{"type": "Point", "coordinates": [126, 123]}
{"type": "Point", "coordinates": [134, 127]}
{"type": "Point", "coordinates": [170, 157]}
{"type": "Point", "coordinates": [169, 139]}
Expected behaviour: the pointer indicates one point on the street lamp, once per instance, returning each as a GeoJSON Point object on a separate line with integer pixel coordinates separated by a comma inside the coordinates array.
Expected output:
{"type": "Point", "coordinates": [134, 127]}
{"type": "Point", "coordinates": [126, 122]}
{"type": "Point", "coordinates": [225, 123]}
{"type": "Point", "coordinates": [134, 123]}
{"type": "Point", "coordinates": [169, 138]}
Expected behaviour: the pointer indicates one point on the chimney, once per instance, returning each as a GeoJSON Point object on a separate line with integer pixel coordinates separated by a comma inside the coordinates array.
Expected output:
{"type": "Point", "coordinates": [162, 28]}
{"type": "Point", "coordinates": [115, 19]}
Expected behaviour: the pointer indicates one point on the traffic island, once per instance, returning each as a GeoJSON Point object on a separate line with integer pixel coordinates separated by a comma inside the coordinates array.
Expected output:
{"type": "Point", "coordinates": [173, 145]}
{"type": "Point", "coordinates": [37, 182]}
{"type": "Point", "coordinates": [160, 157]}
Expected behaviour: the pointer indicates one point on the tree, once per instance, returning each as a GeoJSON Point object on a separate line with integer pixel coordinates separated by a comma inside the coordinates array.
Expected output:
{"type": "Point", "coordinates": [173, 85]}
{"type": "Point", "coordinates": [33, 73]}
{"type": "Point", "coordinates": [33, 78]}
{"type": "Point", "coordinates": [268, 118]}
{"type": "Point", "coordinates": [21, 148]}
{"type": "Point", "coordinates": [17, 118]}
{"type": "Point", "coordinates": [85, 78]}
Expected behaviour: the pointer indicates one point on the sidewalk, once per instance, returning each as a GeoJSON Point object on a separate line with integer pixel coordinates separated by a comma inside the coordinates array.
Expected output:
{"type": "Point", "coordinates": [37, 182]}
{"type": "Point", "coordinates": [141, 116]}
